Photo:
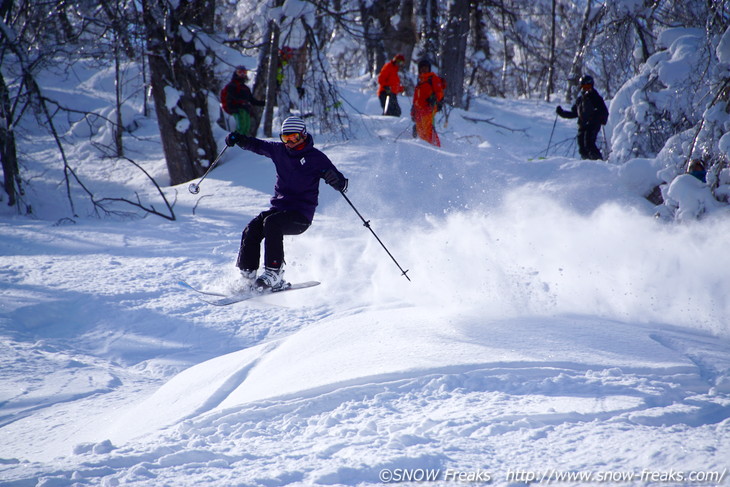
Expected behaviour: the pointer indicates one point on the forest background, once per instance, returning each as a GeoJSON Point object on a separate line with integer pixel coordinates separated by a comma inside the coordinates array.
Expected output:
{"type": "Point", "coordinates": [181, 52]}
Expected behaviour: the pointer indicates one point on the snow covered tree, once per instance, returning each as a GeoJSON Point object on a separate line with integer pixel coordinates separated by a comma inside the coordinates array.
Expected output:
{"type": "Point", "coordinates": [35, 37]}
{"type": "Point", "coordinates": [181, 74]}
{"type": "Point", "coordinates": [32, 38]}
{"type": "Point", "coordinates": [666, 97]}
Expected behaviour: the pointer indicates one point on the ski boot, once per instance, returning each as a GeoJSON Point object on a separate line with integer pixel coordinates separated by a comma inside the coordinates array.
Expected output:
{"type": "Point", "coordinates": [271, 280]}
{"type": "Point", "coordinates": [247, 282]}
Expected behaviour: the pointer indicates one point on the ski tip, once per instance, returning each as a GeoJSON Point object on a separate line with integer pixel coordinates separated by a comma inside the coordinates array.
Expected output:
{"type": "Point", "coordinates": [190, 287]}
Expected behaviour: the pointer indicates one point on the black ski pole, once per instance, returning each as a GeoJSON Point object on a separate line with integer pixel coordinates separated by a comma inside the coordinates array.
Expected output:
{"type": "Point", "coordinates": [194, 188]}
{"type": "Point", "coordinates": [366, 223]}
{"type": "Point", "coordinates": [551, 135]}
{"type": "Point", "coordinates": [403, 132]}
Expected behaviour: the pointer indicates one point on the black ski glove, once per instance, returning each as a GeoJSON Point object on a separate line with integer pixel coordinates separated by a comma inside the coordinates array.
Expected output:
{"type": "Point", "coordinates": [559, 110]}
{"type": "Point", "coordinates": [336, 180]}
{"type": "Point", "coordinates": [235, 138]}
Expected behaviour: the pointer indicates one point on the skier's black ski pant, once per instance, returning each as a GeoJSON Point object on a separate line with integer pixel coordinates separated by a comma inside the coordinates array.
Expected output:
{"type": "Point", "coordinates": [393, 106]}
{"type": "Point", "coordinates": [587, 135]}
{"type": "Point", "coordinates": [270, 226]}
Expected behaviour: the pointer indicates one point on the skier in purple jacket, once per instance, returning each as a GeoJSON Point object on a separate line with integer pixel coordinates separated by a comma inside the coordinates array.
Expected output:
{"type": "Point", "coordinates": [299, 167]}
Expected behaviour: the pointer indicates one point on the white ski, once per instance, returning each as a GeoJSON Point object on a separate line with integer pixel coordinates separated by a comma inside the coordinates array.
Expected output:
{"type": "Point", "coordinates": [225, 300]}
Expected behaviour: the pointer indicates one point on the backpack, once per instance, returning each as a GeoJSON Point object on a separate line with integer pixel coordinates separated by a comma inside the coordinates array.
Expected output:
{"type": "Point", "coordinates": [440, 103]}
{"type": "Point", "coordinates": [604, 114]}
{"type": "Point", "coordinates": [432, 99]}
{"type": "Point", "coordinates": [224, 101]}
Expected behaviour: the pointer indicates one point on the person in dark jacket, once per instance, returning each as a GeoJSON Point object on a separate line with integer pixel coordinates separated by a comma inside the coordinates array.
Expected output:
{"type": "Point", "coordinates": [591, 112]}
{"type": "Point", "coordinates": [237, 100]}
{"type": "Point", "coordinates": [299, 167]}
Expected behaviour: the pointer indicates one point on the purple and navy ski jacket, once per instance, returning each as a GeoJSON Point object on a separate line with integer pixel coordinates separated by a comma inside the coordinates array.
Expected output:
{"type": "Point", "coordinates": [297, 173]}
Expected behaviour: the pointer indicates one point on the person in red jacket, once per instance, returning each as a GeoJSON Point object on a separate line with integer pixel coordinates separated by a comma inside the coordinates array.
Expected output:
{"type": "Point", "coordinates": [237, 100]}
{"type": "Point", "coordinates": [389, 85]}
{"type": "Point", "coordinates": [427, 99]}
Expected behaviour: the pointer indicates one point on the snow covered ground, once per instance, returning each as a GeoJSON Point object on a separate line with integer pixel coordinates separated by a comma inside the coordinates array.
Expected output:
{"type": "Point", "coordinates": [554, 329]}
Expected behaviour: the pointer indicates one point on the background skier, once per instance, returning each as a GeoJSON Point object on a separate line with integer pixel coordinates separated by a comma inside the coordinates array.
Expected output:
{"type": "Point", "coordinates": [237, 100]}
{"type": "Point", "coordinates": [427, 99]}
{"type": "Point", "coordinates": [389, 86]}
{"type": "Point", "coordinates": [591, 112]}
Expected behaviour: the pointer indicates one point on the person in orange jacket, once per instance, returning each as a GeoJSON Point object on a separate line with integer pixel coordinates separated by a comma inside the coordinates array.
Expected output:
{"type": "Point", "coordinates": [389, 85]}
{"type": "Point", "coordinates": [427, 100]}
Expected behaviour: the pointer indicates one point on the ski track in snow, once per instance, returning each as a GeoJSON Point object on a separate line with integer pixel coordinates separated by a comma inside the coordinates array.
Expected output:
{"type": "Point", "coordinates": [534, 336]}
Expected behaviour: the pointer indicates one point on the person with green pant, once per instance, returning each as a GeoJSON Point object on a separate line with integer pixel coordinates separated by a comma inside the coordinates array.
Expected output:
{"type": "Point", "coordinates": [237, 100]}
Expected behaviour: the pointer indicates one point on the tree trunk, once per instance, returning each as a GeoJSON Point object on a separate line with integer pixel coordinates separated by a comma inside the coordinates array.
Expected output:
{"type": "Point", "coordinates": [118, 123]}
{"type": "Point", "coordinates": [260, 87]}
{"type": "Point", "coordinates": [370, 38]}
{"type": "Point", "coordinates": [480, 42]}
{"type": "Point", "coordinates": [8, 153]}
{"type": "Point", "coordinates": [271, 83]}
{"type": "Point", "coordinates": [453, 54]}
{"type": "Point", "coordinates": [505, 52]}
{"type": "Point", "coordinates": [577, 66]}
{"type": "Point", "coordinates": [386, 41]}
{"type": "Point", "coordinates": [180, 78]}
{"type": "Point", "coordinates": [430, 30]}
{"type": "Point", "coordinates": [405, 35]}
{"type": "Point", "coordinates": [382, 40]}
{"type": "Point", "coordinates": [551, 62]}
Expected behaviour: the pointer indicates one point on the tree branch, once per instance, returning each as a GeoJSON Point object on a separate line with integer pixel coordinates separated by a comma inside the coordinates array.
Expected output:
{"type": "Point", "coordinates": [489, 121]}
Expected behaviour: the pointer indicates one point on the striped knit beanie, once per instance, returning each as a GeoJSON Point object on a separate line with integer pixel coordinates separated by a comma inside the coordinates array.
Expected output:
{"type": "Point", "coordinates": [294, 125]}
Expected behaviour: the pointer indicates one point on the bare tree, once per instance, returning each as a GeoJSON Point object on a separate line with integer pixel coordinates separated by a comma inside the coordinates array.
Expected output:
{"type": "Point", "coordinates": [453, 52]}
{"type": "Point", "coordinates": [505, 47]}
{"type": "Point", "coordinates": [34, 36]}
{"type": "Point", "coordinates": [371, 36]}
{"type": "Point", "coordinates": [404, 37]}
{"type": "Point", "coordinates": [430, 28]}
{"type": "Point", "coordinates": [400, 38]}
{"type": "Point", "coordinates": [8, 153]}
{"type": "Point", "coordinates": [587, 31]}
{"type": "Point", "coordinates": [180, 76]}
{"type": "Point", "coordinates": [481, 77]}
{"type": "Point", "coordinates": [551, 63]}
{"type": "Point", "coordinates": [115, 26]}
{"type": "Point", "coordinates": [266, 79]}
{"type": "Point", "coordinates": [384, 40]}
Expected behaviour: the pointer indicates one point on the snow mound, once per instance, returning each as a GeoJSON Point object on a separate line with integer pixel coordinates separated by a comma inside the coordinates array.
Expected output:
{"type": "Point", "coordinates": [378, 347]}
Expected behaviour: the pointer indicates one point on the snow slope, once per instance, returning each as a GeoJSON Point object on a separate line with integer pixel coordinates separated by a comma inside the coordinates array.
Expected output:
{"type": "Point", "coordinates": [552, 327]}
